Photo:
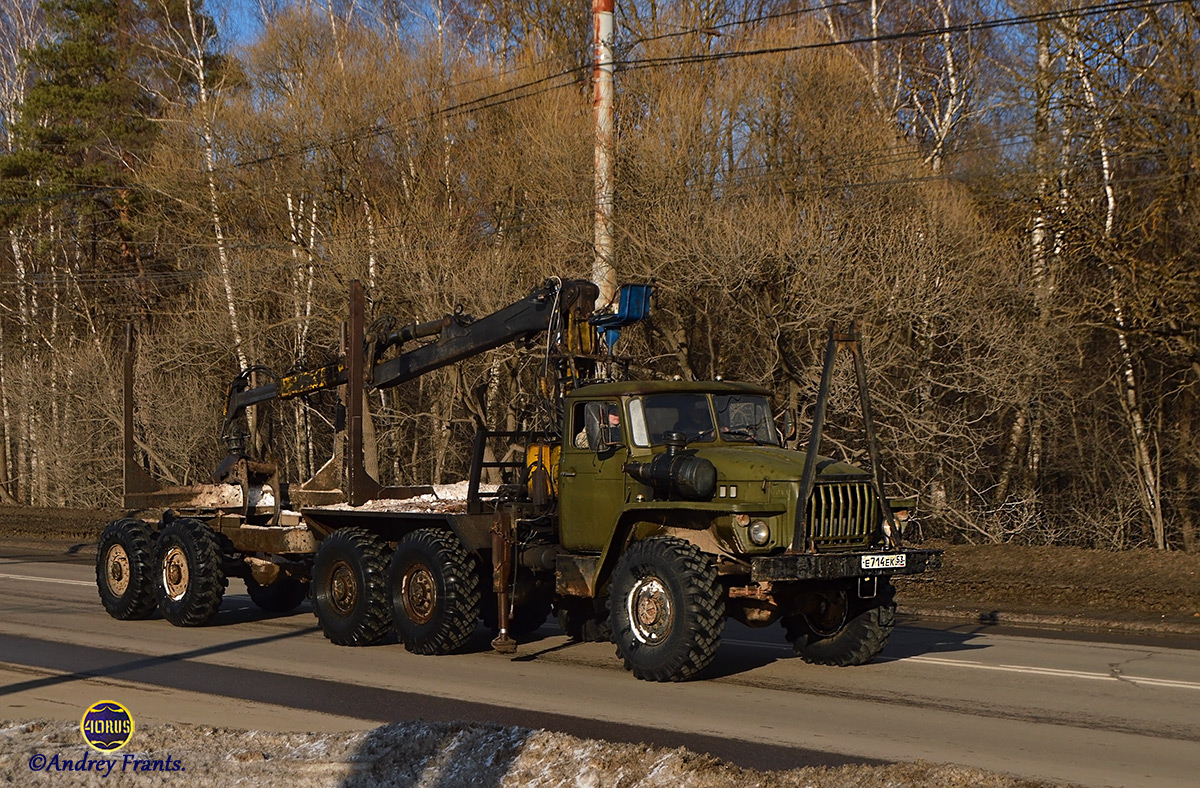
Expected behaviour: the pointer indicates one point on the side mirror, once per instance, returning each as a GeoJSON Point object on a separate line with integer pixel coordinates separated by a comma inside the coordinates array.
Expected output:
{"type": "Point", "coordinates": [788, 427]}
{"type": "Point", "coordinates": [592, 424]}
{"type": "Point", "coordinates": [610, 437]}
{"type": "Point", "coordinates": [602, 435]}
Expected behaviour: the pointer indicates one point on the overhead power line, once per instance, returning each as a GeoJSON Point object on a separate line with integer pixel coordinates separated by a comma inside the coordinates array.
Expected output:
{"type": "Point", "coordinates": [717, 28]}
{"type": "Point", "coordinates": [929, 32]}
{"type": "Point", "coordinates": [566, 77]}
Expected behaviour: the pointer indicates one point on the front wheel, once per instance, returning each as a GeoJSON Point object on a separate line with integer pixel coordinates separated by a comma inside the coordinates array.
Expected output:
{"type": "Point", "coordinates": [124, 570]}
{"type": "Point", "coordinates": [190, 579]}
{"type": "Point", "coordinates": [349, 588]}
{"type": "Point", "coordinates": [841, 630]}
{"type": "Point", "coordinates": [435, 592]}
{"type": "Point", "coordinates": [666, 608]}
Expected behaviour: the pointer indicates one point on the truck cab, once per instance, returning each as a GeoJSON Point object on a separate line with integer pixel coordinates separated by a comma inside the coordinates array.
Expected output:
{"type": "Point", "coordinates": [615, 472]}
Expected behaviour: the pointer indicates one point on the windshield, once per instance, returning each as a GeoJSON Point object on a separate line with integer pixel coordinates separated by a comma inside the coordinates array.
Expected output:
{"type": "Point", "coordinates": [745, 417]}
{"type": "Point", "coordinates": [654, 416]}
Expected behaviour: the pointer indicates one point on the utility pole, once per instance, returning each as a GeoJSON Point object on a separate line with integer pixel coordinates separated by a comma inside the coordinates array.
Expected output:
{"type": "Point", "coordinates": [603, 269]}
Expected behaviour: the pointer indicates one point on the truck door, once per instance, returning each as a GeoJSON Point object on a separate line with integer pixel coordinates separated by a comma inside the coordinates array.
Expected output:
{"type": "Point", "coordinates": [592, 483]}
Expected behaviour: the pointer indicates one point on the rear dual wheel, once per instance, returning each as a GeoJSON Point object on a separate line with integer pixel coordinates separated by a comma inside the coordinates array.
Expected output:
{"type": "Point", "coordinates": [435, 592]}
{"type": "Point", "coordinates": [125, 570]}
{"type": "Point", "coordinates": [190, 580]}
{"type": "Point", "coordinates": [349, 588]}
{"type": "Point", "coordinates": [178, 572]}
{"type": "Point", "coordinates": [429, 590]}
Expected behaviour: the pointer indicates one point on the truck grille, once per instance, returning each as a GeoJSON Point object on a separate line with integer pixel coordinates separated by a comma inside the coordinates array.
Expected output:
{"type": "Point", "coordinates": [843, 514]}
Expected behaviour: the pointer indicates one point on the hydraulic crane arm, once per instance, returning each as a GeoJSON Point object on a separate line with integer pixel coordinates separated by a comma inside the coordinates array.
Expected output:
{"type": "Point", "coordinates": [461, 339]}
{"type": "Point", "coordinates": [242, 396]}
{"type": "Point", "coordinates": [557, 303]}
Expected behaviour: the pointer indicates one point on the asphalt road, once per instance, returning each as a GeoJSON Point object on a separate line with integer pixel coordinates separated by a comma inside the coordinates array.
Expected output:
{"type": "Point", "coordinates": [1088, 711]}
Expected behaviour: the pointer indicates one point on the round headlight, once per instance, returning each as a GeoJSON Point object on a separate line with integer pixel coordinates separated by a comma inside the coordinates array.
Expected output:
{"type": "Point", "coordinates": [760, 533]}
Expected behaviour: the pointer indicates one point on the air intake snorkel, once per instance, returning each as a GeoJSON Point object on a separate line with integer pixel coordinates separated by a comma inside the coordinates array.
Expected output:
{"type": "Point", "coordinates": [676, 473]}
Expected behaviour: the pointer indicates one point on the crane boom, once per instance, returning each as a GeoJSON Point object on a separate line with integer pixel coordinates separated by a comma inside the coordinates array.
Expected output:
{"type": "Point", "coordinates": [556, 305]}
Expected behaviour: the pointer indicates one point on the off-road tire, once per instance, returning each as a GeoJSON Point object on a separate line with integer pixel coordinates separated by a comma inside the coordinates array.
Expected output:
{"type": "Point", "coordinates": [349, 588]}
{"type": "Point", "coordinates": [125, 570]}
{"type": "Point", "coordinates": [282, 596]}
{"type": "Point", "coordinates": [580, 619]}
{"type": "Point", "coordinates": [189, 580]}
{"type": "Point", "coordinates": [435, 592]}
{"type": "Point", "coordinates": [666, 608]}
{"type": "Point", "coordinates": [869, 624]}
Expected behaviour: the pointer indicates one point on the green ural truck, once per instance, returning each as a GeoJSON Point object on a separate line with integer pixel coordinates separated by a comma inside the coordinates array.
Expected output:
{"type": "Point", "coordinates": [648, 514]}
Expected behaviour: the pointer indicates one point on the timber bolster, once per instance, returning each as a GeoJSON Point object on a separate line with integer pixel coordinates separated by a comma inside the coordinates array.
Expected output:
{"type": "Point", "coordinates": [834, 566]}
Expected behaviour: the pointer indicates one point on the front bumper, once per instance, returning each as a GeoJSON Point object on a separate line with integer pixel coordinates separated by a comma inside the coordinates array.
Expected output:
{"type": "Point", "coordinates": [836, 566]}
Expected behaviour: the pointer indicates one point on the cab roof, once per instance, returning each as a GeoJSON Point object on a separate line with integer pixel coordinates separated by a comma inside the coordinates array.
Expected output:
{"type": "Point", "coordinates": [636, 387]}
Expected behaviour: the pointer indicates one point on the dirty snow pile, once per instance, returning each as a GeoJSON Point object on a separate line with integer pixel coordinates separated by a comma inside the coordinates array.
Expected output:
{"type": "Point", "coordinates": [445, 755]}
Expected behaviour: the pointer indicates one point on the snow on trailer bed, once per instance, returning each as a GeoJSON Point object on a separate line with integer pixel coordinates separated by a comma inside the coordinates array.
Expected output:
{"type": "Point", "coordinates": [445, 499]}
{"type": "Point", "coordinates": [440, 499]}
{"type": "Point", "coordinates": [299, 532]}
{"type": "Point", "coordinates": [445, 504]}
{"type": "Point", "coordinates": [205, 498]}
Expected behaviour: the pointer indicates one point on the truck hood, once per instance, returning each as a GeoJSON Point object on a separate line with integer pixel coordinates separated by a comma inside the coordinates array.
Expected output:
{"type": "Point", "coordinates": [751, 463]}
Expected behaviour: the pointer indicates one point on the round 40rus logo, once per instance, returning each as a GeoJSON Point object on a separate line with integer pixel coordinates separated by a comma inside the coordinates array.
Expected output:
{"type": "Point", "coordinates": [106, 726]}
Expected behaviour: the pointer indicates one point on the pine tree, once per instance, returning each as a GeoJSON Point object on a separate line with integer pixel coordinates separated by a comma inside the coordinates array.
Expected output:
{"type": "Point", "coordinates": [84, 125]}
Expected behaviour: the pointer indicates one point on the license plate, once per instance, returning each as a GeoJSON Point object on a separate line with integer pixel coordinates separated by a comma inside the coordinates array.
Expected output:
{"type": "Point", "coordinates": [883, 561]}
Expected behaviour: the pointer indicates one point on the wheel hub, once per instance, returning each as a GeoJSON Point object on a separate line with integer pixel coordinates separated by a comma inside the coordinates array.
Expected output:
{"type": "Point", "coordinates": [830, 614]}
{"type": "Point", "coordinates": [343, 588]}
{"type": "Point", "coordinates": [649, 611]}
{"type": "Point", "coordinates": [418, 593]}
{"type": "Point", "coordinates": [117, 563]}
{"type": "Point", "coordinates": [175, 573]}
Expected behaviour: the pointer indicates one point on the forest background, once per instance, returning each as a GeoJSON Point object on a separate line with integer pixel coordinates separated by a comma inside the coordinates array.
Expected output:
{"type": "Point", "coordinates": [1003, 193]}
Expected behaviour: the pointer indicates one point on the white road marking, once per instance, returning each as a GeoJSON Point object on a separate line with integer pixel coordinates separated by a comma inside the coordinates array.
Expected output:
{"type": "Point", "coordinates": [1034, 671]}
{"type": "Point", "coordinates": [1025, 669]}
{"type": "Point", "coordinates": [48, 580]}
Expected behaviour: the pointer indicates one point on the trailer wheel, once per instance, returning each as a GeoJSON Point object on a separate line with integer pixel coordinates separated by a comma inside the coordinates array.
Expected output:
{"type": "Point", "coordinates": [349, 588]}
{"type": "Point", "coordinates": [282, 596]}
{"type": "Point", "coordinates": [666, 609]}
{"type": "Point", "coordinates": [842, 630]}
{"type": "Point", "coordinates": [435, 592]}
{"type": "Point", "coordinates": [190, 580]}
{"type": "Point", "coordinates": [124, 570]}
